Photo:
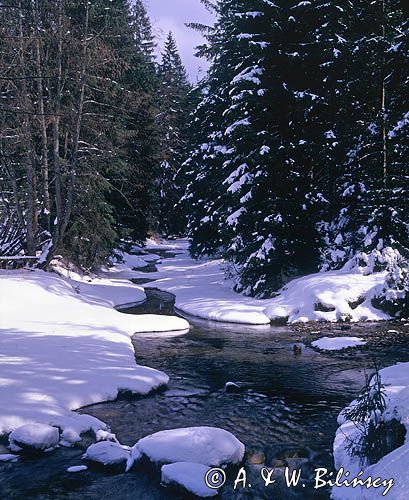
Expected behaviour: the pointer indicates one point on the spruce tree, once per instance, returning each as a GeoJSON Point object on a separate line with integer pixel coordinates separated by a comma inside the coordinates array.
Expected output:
{"type": "Point", "coordinates": [174, 105]}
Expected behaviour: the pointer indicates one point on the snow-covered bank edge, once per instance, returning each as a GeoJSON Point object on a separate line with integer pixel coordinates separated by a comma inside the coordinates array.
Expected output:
{"type": "Point", "coordinates": [63, 346]}
{"type": "Point", "coordinates": [394, 465]}
{"type": "Point", "coordinates": [201, 291]}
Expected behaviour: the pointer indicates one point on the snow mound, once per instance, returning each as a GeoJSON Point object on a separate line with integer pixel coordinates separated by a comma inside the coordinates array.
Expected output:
{"type": "Point", "coordinates": [77, 468]}
{"type": "Point", "coordinates": [189, 476]}
{"type": "Point", "coordinates": [34, 437]}
{"type": "Point", "coordinates": [329, 296]}
{"type": "Point", "coordinates": [106, 453]}
{"type": "Point", "coordinates": [337, 343]}
{"type": "Point", "coordinates": [394, 465]}
{"type": "Point", "coordinates": [203, 445]}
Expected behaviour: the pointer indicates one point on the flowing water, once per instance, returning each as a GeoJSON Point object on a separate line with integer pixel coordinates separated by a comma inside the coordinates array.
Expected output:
{"type": "Point", "coordinates": [284, 408]}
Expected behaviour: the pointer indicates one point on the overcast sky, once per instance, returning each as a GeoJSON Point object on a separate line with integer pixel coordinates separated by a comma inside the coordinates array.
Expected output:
{"type": "Point", "coordinates": [171, 15]}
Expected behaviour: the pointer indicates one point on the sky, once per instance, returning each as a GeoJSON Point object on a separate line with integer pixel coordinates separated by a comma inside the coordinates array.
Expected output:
{"type": "Point", "coordinates": [171, 15]}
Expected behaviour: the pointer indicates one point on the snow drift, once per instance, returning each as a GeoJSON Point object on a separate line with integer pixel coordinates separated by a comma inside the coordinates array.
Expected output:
{"type": "Point", "coordinates": [63, 346]}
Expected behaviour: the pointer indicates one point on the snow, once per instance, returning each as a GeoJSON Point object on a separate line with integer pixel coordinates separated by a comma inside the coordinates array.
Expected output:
{"type": "Point", "coordinates": [8, 457]}
{"type": "Point", "coordinates": [202, 445]}
{"type": "Point", "coordinates": [151, 257]}
{"type": "Point", "coordinates": [190, 476]}
{"type": "Point", "coordinates": [106, 453]}
{"type": "Point", "coordinates": [127, 268]}
{"type": "Point", "coordinates": [111, 286]}
{"type": "Point", "coordinates": [337, 343]}
{"type": "Point", "coordinates": [34, 436]}
{"type": "Point", "coordinates": [395, 464]}
{"type": "Point", "coordinates": [63, 346]}
{"type": "Point", "coordinates": [201, 290]}
{"type": "Point", "coordinates": [77, 468]}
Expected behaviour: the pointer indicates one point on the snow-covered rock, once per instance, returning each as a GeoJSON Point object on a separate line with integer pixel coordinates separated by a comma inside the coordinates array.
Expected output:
{"type": "Point", "coordinates": [69, 437]}
{"type": "Point", "coordinates": [190, 476]}
{"type": "Point", "coordinates": [337, 343]}
{"type": "Point", "coordinates": [77, 468]}
{"type": "Point", "coordinates": [106, 453]}
{"type": "Point", "coordinates": [38, 437]}
{"type": "Point", "coordinates": [203, 445]}
{"type": "Point", "coordinates": [151, 257]}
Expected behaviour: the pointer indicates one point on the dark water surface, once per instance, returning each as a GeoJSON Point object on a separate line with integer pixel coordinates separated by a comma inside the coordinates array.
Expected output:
{"type": "Point", "coordinates": [285, 411]}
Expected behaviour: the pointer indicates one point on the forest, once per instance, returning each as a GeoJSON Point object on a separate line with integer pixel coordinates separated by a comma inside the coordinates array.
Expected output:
{"type": "Point", "coordinates": [92, 130]}
{"type": "Point", "coordinates": [288, 157]}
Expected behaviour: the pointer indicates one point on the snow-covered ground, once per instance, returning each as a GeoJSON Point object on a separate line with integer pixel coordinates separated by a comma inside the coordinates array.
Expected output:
{"type": "Point", "coordinates": [201, 290]}
{"type": "Point", "coordinates": [64, 346]}
{"type": "Point", "coordinates": [395, 465]}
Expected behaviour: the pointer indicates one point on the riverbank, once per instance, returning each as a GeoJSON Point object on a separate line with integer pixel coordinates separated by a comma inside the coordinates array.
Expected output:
{"type": "Point", "coordinates": [201, 290]}
{"type": "Point", "coordinates": [64, 346]}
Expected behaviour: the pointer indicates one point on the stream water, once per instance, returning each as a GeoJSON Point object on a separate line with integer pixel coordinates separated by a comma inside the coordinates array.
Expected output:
{"type": "Point", "coordinates": [284, 410]}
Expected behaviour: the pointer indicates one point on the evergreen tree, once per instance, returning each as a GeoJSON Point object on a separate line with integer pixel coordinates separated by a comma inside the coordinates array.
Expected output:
{"type": "Point", "coordinates": [253, 97]}
{"type": "Point", "coordinates": [294, 161]}
{"type": "Point", "coordinates": [81, 153]}
{"type": "Point", "coordinates": [174, 107]}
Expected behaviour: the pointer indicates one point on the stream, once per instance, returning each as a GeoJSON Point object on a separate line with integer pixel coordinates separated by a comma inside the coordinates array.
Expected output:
{"type": "Point", "coordinates": [284, 409]}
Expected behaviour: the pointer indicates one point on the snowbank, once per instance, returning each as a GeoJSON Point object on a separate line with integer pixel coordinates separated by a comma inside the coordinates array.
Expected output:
{"type": "Point", "coordinates": [189, 476]}
{"type": "Point", "coordinates": [112, 287]}
{"type": "Point", "coordinates": [63, 346]}
{"type": "Point", "coordinates": [329, 296]}
{"type": "Point", "coordinates": [395, 465]}
{"type": "Point", "coordinates": [201, 290]}
{"type": "Point", "coordinates": [203, 445]}
{"type": "Point", "coordinates": [337, 343]}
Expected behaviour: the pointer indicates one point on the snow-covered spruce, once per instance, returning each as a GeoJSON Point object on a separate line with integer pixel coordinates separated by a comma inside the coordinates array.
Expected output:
{"type": "Point", "coordinates": [189, 476]}
{"type": "Point", "coordinates": [395, 464]}
{"type": "Point", "coordinates": [64, 346]}
{"type": "Point", "coordinates": [203, 445]}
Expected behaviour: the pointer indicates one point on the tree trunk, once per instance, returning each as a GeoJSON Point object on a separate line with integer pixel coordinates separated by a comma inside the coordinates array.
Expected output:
{"type": "Point", "coordinates": [43, 127]}
{"type": "Point", "coordinates": [31, 215]}
{"type": "Point", "coordinates": [64, 210]}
